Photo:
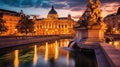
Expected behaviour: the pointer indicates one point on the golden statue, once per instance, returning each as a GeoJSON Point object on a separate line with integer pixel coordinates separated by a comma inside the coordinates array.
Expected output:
{"type": "Point", "coordinates": [92, 15]}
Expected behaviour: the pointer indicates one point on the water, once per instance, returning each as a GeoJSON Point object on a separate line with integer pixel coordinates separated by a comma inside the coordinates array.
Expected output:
{"type": "Point", "coordinates": [116, 44]}
{"type": "Point", "coordinates": [48, 54]}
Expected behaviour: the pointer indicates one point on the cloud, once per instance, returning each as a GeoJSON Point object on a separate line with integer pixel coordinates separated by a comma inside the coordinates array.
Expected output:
{"type": "Point", "coordinates": [110, 1]}
{"type": "Point", "coordinates": [109, 8]}
{"type": "Point", "coordinates": [76, 9]}
{"type": "Point", "coordinates": [76, 17]}
{"type": "Point", "coordinates": [77, 3]}
{"type": "Point", "coordinates": [60, 4]}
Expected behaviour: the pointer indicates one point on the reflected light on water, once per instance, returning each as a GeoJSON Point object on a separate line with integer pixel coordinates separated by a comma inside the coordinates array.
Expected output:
{"type": "Point", "coordinates": [56, 50]}
{"type": "Point", "coordinates": [67, 58]}
{"type": "Point", "coordinates": [16, 60]}
{"type": "Point", "coordinates": [35, 56]}
{"type": "Point", "coordinates": [67, 42]}
{"type": "Point", "coordinates": [46, 52]}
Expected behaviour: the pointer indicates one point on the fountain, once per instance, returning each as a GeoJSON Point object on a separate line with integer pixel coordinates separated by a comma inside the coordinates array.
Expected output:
{"type": "Point", "coordinates": [90, 28]}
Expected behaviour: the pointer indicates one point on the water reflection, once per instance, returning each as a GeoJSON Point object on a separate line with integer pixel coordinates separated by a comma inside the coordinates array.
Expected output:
{"type": "Point", "coordinates": [116, 44]}
{"type": "Point", "coordinates": [56, 50]}
{"type": "Point", "coordinates": [35, 56]}
{"type": "Point", "coordinates": [67, 58]}
{"type": "Point", "coordinates": [47, 54]}
{"type": "Point", "coordinates": [16, 60]}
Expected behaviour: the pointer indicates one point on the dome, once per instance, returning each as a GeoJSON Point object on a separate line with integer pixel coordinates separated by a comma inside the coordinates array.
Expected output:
{"type": "Point", "coordinates": [52, 11]}
{"type": "Point", "coordinates": [52, 14]}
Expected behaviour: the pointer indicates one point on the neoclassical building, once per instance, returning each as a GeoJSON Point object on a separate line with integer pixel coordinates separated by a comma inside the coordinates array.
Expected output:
{"type": "Point", "coordinates": [52, 25]}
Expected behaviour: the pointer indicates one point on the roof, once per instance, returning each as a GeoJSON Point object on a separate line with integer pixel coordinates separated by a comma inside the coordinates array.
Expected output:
{"type": "Point", "coordinates": [8, 12]}
{"type": "Point", "coordinates": [118, 12]}
{"type": "Point", "coordinates": [52, 11]}
{"type": "Point", "coordinates": [61, 18]}
{"type": "Point", "coordinates": [114, 14]}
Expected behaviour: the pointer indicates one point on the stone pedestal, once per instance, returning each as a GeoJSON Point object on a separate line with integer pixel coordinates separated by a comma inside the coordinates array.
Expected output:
{"type": "Point", "coordinates": [91, 28]}
{"type": "Point", "coordinates": [90, 35]}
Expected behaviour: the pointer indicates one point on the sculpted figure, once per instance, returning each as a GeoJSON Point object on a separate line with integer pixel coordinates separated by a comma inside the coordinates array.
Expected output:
{"type": "Point", "coordinates": [93, 12]}
{"type": "Point", "coordinates": [97, 11]}
{"type": "Point", "coordinates": [92, 15]}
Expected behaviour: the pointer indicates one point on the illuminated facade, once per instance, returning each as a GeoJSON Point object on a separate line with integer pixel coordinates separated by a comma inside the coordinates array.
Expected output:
{"type": "Point", "coordinates": [52, 25]}
{"type": "Point", "coordinates": [113, 21]}
{"type": "Point", "coordinates": [11, 19]}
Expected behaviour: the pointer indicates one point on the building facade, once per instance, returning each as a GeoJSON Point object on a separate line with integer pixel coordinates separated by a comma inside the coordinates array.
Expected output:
{"type": "Point", "coordinates": [52, 25]}
{"type": "Point", "coordinates": [11, 18]}
{"type": "Point", "coordinates": [113, 22]}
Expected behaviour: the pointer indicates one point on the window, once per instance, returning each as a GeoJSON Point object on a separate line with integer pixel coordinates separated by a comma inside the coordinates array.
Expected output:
{"type": "Point", "coordinates": [59, 26]}
{"type": "Point", "coordinates": [37, 27]}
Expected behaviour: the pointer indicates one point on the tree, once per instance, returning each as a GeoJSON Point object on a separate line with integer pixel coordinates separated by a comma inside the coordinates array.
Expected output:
{"type": "Point", "coordinates": [3, 27]}
{"type": "Point", "coordinates": [25, 25]}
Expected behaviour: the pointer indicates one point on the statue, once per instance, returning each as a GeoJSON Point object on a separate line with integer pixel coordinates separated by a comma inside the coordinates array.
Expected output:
{"type": "Point", "coordinates": [93, 12]}
{"type": "Point", "coordinates": [81, 23]}
{"type": "Point", "coordinates": [92, 15]}
{"type": "Point", "coordinates": [90, 28]}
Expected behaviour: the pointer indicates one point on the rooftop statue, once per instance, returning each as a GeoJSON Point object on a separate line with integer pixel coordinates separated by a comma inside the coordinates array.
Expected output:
{"type": "Point", "coordinates": [92, 15]}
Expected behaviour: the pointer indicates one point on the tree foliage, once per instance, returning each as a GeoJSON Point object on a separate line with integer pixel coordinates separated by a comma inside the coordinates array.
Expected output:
{"type": "Point", "coordinates": [25, 25]}
{"type": "Point", "coordinates": [3, 27]}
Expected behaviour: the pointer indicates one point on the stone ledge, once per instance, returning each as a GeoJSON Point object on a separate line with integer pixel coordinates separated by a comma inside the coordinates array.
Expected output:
{"type": "Point", "coordinates": [25, 41]}
{"type": "Point", "coordinates": [112, 54]}
{"type": "Point", "coordinates": [101, 59]}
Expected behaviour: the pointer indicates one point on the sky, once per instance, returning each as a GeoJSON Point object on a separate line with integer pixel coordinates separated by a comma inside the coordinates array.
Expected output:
{"type": "Point", "coordinates": [64, 7]}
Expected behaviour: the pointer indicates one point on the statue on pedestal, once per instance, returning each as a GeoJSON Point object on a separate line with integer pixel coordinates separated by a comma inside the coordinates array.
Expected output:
{"type": "Point", "coordinates": [92, 15]}
{"type": "Point", "coordinates": [90, 28]}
